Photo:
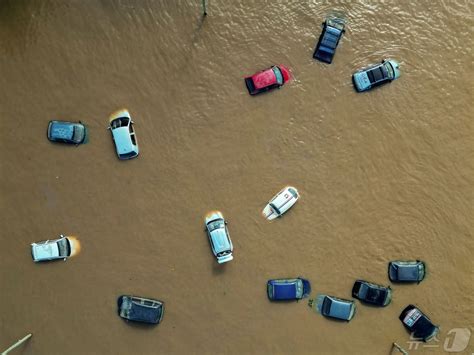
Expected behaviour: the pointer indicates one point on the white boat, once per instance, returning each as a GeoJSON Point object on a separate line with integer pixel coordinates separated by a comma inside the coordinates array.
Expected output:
{"type": "Point", "coordinates": [281, 203]}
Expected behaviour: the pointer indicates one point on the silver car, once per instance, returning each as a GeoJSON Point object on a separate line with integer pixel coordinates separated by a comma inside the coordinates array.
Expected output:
{"type": "Point", "coordinates": [61, 248]}
{"type": "Point", "coordinates": [333, 307]}
{"type": "Point", "coordinates": [218, 234]}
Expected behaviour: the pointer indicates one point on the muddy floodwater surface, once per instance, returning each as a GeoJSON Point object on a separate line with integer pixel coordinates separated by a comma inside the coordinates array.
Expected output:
{"type": "Point", "coordinates": [383, 175]}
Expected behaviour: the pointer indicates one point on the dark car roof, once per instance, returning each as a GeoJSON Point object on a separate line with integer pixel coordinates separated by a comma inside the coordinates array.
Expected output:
{"type": "Point", "coordinates": [338, 308]}
{"type": "Point", "coordinates": [377, 74]}
{"type": "Point", "coordinates": [327, 43]}
{"type": "Point", "coordinates": [400, 271]}
{"type": "Point", "coordinates": [61, 130]}
{"type": "Point", "coordinates": [142, 313]}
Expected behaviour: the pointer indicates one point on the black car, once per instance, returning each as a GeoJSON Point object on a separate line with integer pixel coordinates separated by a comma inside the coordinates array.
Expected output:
{"type": "Point", "coordinates": [372, 293]}
{"type": "Point", "coordinates": [418, 323]}
{"type": "Point", "coordinates": [67, 132]}
{"type": "Point", "coordinates": [406, 271]}
{"type": "Point", "coordinates": [140, 309]}
{"type": "Point", "coordinates": [329, 39]}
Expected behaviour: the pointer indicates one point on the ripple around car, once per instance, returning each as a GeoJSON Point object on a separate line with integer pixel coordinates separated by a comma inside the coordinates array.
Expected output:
{"type": "Point", "coordinates": [55, 249]}
{"type": "Point", "coordinates": [221, 245]}
{"type": "Point", "coordinates": [139, 309]}
{"type": "Point", "coordinates": [123, 134]}
{"type": "Point", "coordinates": [280, 203]}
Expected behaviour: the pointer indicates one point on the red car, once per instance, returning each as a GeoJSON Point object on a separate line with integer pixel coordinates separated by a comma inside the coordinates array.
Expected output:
{"type": "Point", "coordinates": [267, 79]}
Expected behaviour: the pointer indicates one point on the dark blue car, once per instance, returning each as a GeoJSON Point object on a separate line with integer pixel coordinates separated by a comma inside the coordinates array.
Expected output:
{"type": "Point", "coordinates": [328, 40]}
{"type": "Point", "coordinates": [419, 325]}
{"type": "Point", "coordinates": [139, 309]}
{"type": "Point", "coordinates": [67, 132]}
{"type": "Point", "coordinates": [288, 289]}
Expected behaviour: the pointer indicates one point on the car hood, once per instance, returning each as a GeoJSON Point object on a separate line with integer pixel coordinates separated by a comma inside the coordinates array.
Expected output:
{"type": "Point", "coordinates": [220, 240]}
{"type": "Point", "coordinates": [45, 251]}
{"type": "Point", "coordinates": [396, 68]}
{"type": "Point", "coordinates": [264, 79]}
{"type": "Point", "coordinates": [122, 140]}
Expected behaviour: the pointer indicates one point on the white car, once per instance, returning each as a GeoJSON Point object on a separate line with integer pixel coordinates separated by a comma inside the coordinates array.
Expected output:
{"type": "Point", "coordinates": [281, 203]}
{"type": "Point", "coordinates": [221, 245]}
{"type": "Point", "coordinates": [123, 134]}
{"type": "Point", "coordinates": [61, 248]}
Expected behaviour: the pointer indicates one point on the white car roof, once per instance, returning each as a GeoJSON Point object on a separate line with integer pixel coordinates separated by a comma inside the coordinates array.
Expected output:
{"type": "Point", "coordinates": [46, 251]}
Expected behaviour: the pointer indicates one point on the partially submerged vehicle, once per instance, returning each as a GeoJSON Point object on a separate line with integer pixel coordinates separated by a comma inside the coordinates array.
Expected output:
{"type": "Point", "coordinates": [123, 134]}
{"type": "Point", "coordinates": [288, 289]}
{"type": "Point", "coordinates": [219, 238]}
{"type": "Point", "coordinates": [418, 323]}
{"type": "Point", "coordinates": [333, 28]}
{"type": "Point", "coordinates": [375, 75]}
{"type": "Point", "coordinates": [55, 249]}
{"type": "Point", "coordinates": [406, 271]}
{"type": "Point", "coordinates": [268, 79]}
{"type": "Point", "coordinates": [67, 132]}
{"type": "Point", "coordinates": [333, 307]}
{"type": "Point", "coordinates": [139, 309]}
{"type": "Point", "coordinates": [281, 202]}
{"type": "Point", "coordinates": [372, 293]}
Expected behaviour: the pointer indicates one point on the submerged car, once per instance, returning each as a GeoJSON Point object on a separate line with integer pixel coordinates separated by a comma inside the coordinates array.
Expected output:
{"type": "Point", "coordinates": [372, 293]}
{"type": "Point", "coordinates": [333, 28]}
{"type": "Point", "coordinates": [218, 234]}
{"type": "Point", "coordinates": [333, 307]}
{"type": "Point", "coordinates": [281, 202]}
{"type": "Point", "coordinates": [376, 75]}
{"type": "Point", "coordinates": [67, 132]}
{"type": "Point", "coordinates": [123, 134]}
{"type": "Point", "coordinates": [267, 79]}
{"type": "Point", "coordinates": [418, 323]}
{"type": "Point", "coordinates": [139, 309]}
{"type": "Point", "coordinates": [61, 248]}
{"type": "Point", "coordinates": [288, 289]}
{"type": "Point", "coordinates": [406, 271]}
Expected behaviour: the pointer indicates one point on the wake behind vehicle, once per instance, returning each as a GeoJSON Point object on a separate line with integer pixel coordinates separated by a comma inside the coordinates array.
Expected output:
{"type": "Point", "coordinates": [333, 28]}
{"type": "Point", "coordinates": [123, 134]}
{"type": "Point", "coordinates": [288, 289]}
{"type": "Point", "coordinates": [375, 75]}
{"type": "Point", "coordinates": [406, 271]}
{"type": "Point", "coordinates": [333, 307]}
{"type": "Point", "coordinates": [418, 323]}
{"type": "Point", "coordinates": [67, 132]}
{"type": "Point", "coordinates": [139, 309]}
{"type": "Point", "coordinates": [268, 79]}
{"type": "Point", "coordinates": [281, 202]}
{"type": "Point", "coordinates": [55, 249]}
{"type": "Point", "coordinates": [219, 238]}
{"type": "Point", "coordinates": [371, 293]}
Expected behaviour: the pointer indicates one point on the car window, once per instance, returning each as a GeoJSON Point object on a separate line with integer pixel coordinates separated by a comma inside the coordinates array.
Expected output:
{"type": "Point", "coordinates": [78, 134]}
{"type": "Point", "coordinates": [390, 72]}
{"type": "Point", "coordinates": [293, 192]}
{"type": "Point", "coordinates": [215, 225]}
{"type": "Point", "coordinates": [278, 75]}
{"type": "Point", "coordinates": [64, 248]}
{"type": "Point", "coordinates": [274, 208]}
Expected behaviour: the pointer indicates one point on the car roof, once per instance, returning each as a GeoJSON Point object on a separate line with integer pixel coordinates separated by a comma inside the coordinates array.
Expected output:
{"type": "Point", "coordinates": [46, 251]}
{"type": "Point", "coordinates": [264, 78]}
{"type": "Point", "coordinates": [122, 139]}
{"type": "Point", "coordinates": [62, 129]}
{"type": "Point", "coordinates": [340, 308]}
{"type": "Point", "coordinates": [220, 240]}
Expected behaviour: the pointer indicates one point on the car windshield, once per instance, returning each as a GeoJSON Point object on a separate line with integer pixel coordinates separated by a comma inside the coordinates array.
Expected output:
{"type": "Point", "coordinates": [293, 192]}
{"type": "Point", "coordinates": [390, 71]}
{"type": "Point", "coordinates": [215, 225]}
{"type": "Point", "coordinates": [64, 248]}
{"type": "Point", "coordinates": [278, 75]}
{"type": "Point", "coordinates": [120, 122]}
{"type": "Point", "coordinates": [326, 306]}
{"type": "Point", "coordinates": [78, 135]}
{"type": "Point", "coordinates": [224, 253]}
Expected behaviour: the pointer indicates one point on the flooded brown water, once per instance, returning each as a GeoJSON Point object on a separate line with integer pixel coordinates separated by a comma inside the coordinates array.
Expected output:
{"type": "Point", "coordinates": [383, 175]}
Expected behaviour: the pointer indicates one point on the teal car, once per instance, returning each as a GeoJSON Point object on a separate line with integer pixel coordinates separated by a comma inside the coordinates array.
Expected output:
{"type": "Point", "coordinates": [67, 132]}
{"type": "Point", "coordinates": [375, 75]}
